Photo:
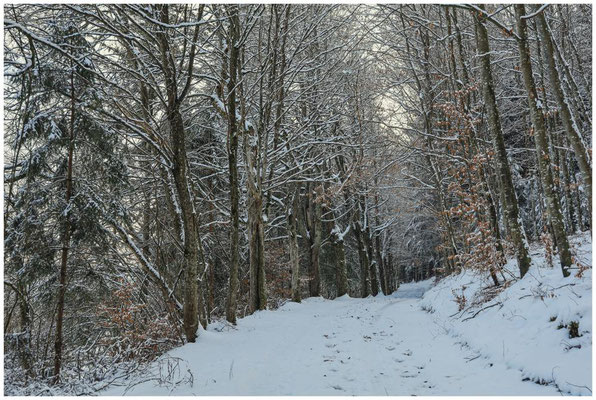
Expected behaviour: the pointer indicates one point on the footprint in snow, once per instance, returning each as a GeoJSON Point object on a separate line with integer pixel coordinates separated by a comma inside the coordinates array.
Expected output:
{"type": "Point", "coordinates": [337, 387]}
{"type": "Point", "coordinates": [406, 375]}
{"type": "Point", "coordinates": [407, 353]}
{"type": "Point", "coordinates": [409, 374]}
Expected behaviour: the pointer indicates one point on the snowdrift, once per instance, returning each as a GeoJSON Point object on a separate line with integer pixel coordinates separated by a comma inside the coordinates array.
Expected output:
{"type": "Point", "coordinates": [540, 325]}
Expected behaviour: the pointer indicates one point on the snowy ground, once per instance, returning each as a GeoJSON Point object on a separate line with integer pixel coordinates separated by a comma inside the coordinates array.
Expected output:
{"type": "Point", "coordinates": [414, 342]}
{"type": "Point", "coordinates": [526, 326]}
{"type": "Point", "coordinates": [375, 346]}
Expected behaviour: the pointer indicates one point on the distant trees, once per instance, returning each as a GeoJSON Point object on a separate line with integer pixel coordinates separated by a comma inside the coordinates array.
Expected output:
{"type": "Point", "coordinates": [454, 96]}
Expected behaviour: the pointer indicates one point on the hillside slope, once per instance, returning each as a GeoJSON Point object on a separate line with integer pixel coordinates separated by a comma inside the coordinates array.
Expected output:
{"type": "Point", "coordinates": [530, 326]}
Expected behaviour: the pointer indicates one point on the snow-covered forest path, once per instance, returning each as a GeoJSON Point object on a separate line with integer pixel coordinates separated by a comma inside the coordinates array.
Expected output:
{"type": "Point", "coordinates": [376, 346]}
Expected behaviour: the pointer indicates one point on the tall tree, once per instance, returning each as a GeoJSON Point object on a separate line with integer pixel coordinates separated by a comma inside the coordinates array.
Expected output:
{"type": "Point", "coordinates": [569, 123]}
{"type": "Point", "coordinates": [233, 44]}
{"type": "Point", "coordinates": [542, 148]}
{"type": "Point", "coordinates": [513, 221]}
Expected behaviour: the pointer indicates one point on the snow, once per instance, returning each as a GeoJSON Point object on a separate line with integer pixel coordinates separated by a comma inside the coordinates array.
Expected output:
{"type": "Point", "coordinates": [524, 328]}
{"type": "Point", "coordinates": [340, 235]}
{"type": "Point", "coordinates": [532, 15]}
{"type": "Point", "coordinates": [375, 346]}
{"type": "Point", "coordinates": [413, 289]}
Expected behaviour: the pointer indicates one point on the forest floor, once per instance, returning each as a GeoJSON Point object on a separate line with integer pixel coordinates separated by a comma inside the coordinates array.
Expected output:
{"type": "Point", "coordinates": [386, 345]}
{"type": "Point", "coordinates": [375, 346]}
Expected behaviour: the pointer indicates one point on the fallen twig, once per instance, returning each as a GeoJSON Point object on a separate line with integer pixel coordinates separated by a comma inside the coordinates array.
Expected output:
{"type": "Point", "coordinates": [482, 309]}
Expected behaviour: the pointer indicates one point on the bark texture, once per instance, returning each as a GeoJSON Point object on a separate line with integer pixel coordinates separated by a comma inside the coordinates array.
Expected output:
{"type": "Point", "coordinates": [511, 210]}
{"type": "Point", "coordinates": [553, 204]}
{"type": "Point", "coordinates": [293, 246]}
{"type": "Point", "coordinates": [567, 118]}
{"type": "Point", "coordinates": [232, 142]}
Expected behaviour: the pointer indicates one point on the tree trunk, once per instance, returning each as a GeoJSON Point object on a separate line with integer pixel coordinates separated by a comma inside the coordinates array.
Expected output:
{"type": "Point", "coordinates": [569, 123]}
{"type": "Point", "coordinates": [231, 303]}
{"type": "Point", "coordinates": [372, 265]}
{"type": "Point", "coordinates": [191, 240]}
{"type": "Point", "coordinates": [256, 234]}
{"type": "Point", "coordinates": [258, 293]}
{"type": "Point", "coordinates": [566, 187]}
{"type": "Point", "coordinates": [580, 215]}
{"type": "Point", "coordinates": [25, 351]}
{"type": "Point", "coordinates": [511, 213]}
{"type": "Point", "coordinates": [542, 149]}
{"type": "Point", "coordinates": [190, 231]}
{"type": "Point", "coordinates": [316, 233]}
{"type": "Point", "coordinates": [293, 245]}
{"type": "Point", "coordinates": [362, 255]}
{"type": "Point", "coordinates": [392, 275]}
{"type": "Point", "coordinates": [380, 263]}
{"type": "Point", "coordinates": [341, 270]}
{"type": "Point", "coordinates": [65, 238]}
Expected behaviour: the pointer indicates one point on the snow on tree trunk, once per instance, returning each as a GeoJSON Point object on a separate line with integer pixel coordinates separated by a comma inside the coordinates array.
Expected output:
{"type": "Point", "coordinates": [232, 142]}
{"type": "Point", "coordinates": [569, 123]}
{"type": "Point", "coordinates": [542, 149]}
{"type": "Point", "coordinates": [516, 230]}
